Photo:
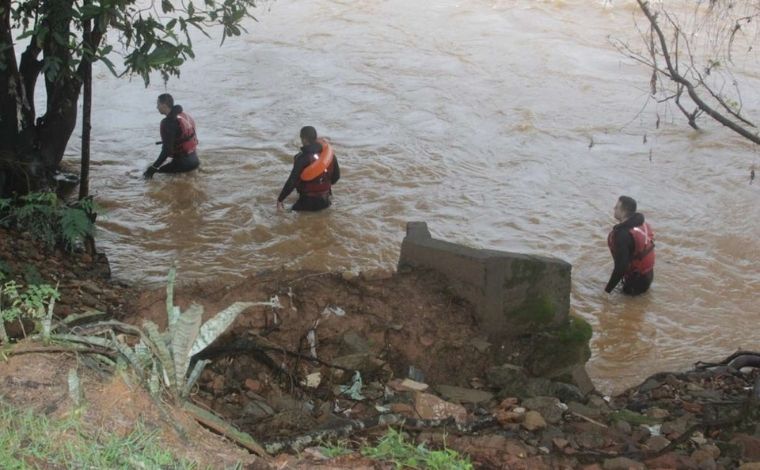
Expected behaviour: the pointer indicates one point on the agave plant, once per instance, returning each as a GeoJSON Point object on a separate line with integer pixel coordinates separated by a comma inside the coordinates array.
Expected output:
{"type": "Point", "coordinates": [166, 357]}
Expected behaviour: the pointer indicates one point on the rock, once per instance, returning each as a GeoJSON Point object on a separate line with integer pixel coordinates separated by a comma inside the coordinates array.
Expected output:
{"type": "Point", "coordinates": [218, 384]}
{"type": "Point", "coordinates": [641, 433]}
{"type": "Point", "coordinates": [533, 421]}
{"type": "Point", "coordinates": [566, 392]}
{"type": "Point", "coordinates": [257, 409]}
{"type": "Point", "coordinates": [505, 417]}
{"type": "Point", "coordinates": [403, 409]}
{"type": "Point", "coordinates": [407, 385]}
{"type": "Point", "coordinates": [713, 449]}
{"type": "Point", "coordinates": [583, 410]}
{"type": "Point", "coordinates": [581, 379]}
{"type": "Point", "coordinates": [657, 443]}
{"type": "Point", "coordinates": [622, 463]}
{"type": "Point", "coordinates": [623, 427]}
{"type": "Point", "coordinates": [657, 413]}
{"type": "Point", "coordinates": [704, 459]}
{"type": "Point", "coordinates": [750, 466]}
{"type": "Point", "coordinates": [363, 362]}
{"type": "Point", "coordinates": [672, 460]}
{"type": "Point", "coordinates": [253, 385]}
{"type": "Point", "coordinates": [353, 343]}
{"type": "Point", "coordinates": [463, 395]}
{"type": "Point", "coordinates": [677, 427]}
{"type": "Point", "coordinates": [548, 407]}
{"type": "Point", "coordinates": [480, 344]}
{"type": "Point", "coordinates": [509, 378]}
{"type": "Point", "coordinates": [749, 445]}
{"type": "Point", "coordinates": [590, 440]}
{"type": "Point", "coordinates": [426, 340]}
{"type": "Point", "coordinates": [377, 274]}
{"type": "Point", "coordinates": [560, 443]}
{"type": "Point", "coordinates": [431, 407]}
{"type": "Point", "coordinates": [516, 449]}
{"type": "Point", "coordinates": [349, 275]}
{"type": "Point", "coordinates": [313, 380]}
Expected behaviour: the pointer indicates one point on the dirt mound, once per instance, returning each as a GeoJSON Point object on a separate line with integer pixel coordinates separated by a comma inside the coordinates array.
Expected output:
{"type": "Point", "coordinates": [83, 281]}
{"type": "Point", "coordinates": [39, 382]}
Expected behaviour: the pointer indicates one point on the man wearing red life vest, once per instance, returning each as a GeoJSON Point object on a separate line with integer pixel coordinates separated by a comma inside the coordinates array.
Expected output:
{"type": "Point", "coordinates": [631, 243]}
{"type": "Point", "coordinates": [315, 170]}
{"type": "Point", "coordinates": [178, 140]}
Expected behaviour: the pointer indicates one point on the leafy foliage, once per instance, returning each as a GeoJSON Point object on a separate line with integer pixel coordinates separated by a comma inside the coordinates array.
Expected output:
{"type": "Point", "coordinates": [393, 447]}
{"type": "Point", "coordinates": [150, 36]}
{"type": "Point", "coordinates": [34, 302]}
{"type": "Point", "coordinates": [49, 219]}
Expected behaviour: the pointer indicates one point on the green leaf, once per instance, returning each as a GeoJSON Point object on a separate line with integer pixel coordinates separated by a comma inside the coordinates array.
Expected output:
{"type": "Point", "coordinates": [194, 376]}
{"type": "Point", "coordinates": [183, 336]}
{"type": "Point", "coordinates": [213, 328]}
{"type": "Point", "coordinates": [163, 354]}
{"type": "Point", "coordinates": [171, 313]}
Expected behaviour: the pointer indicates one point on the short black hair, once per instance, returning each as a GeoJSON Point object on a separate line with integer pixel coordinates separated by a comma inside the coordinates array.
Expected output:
{"type": "Point", "coordinates": [628, 204]}
{"type": "Point", "coordinates": [309, 134]}
{"type": "Point", "coordinates": [167, 99]}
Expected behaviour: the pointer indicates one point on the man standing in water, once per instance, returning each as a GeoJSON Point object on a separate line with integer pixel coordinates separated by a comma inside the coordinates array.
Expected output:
{"type": "Point", "coordinates": [315, 170]}
{"type": "Point", "coordinates": [178, 140]}
{"type": "Point", "coordinates": [632, 245]}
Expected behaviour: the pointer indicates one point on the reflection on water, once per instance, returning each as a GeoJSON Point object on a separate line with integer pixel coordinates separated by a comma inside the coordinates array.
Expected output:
{"type": "Point", "coordinates": [508, 125]}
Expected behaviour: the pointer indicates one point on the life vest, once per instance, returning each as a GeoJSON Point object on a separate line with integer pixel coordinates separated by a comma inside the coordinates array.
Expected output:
{"type": "Point", "coordinates": [643, 251]}
{"type": "Point", "coordinates": [187, 141]}
{"type": "Point", "coordinates": [315, 179]}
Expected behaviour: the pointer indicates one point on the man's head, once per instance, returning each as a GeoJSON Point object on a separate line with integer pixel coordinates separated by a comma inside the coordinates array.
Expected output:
{"type": "Point", "coordinates": [308, 135]}
{"type": "Point", "coordinates": [164, 103]}
{"type": "Point", "coordinates": [625, 207]}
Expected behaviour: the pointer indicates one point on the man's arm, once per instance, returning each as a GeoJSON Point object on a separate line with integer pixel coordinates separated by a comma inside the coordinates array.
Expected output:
{"type": "Point", "coordinates": [622, 257]}
{"type": "Point", "coordinates": [336, 171]}
{"type": "Point", "coordinates": [295, 174]}
{"type": "Point", "coordinates": [169, 132]}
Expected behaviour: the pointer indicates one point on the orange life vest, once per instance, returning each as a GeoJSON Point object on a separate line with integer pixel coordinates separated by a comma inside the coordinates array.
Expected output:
{"type": "Point", "coordinates": [315, 179]}
{"type": "Point", "coordinates": [187, 141]}
{"type": "Point", "coordinates": [643, 251]}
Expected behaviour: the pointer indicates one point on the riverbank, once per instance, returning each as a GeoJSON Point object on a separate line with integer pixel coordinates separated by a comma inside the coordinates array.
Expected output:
{"type": "Point", "coordinates": [287, 376]}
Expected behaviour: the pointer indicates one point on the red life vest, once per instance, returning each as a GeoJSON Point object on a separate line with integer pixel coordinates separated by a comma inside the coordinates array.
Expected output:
{"type": "Point", "coordinates": [643, 251]}
{"type": "Point", "coordinates": [186, 142]}
{"type": "Point", "coordinates": [319, 172]}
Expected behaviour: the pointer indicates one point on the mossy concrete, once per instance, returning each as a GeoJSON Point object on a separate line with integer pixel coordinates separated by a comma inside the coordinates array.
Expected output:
{"type": "Point", "coordinates": [513, 293]}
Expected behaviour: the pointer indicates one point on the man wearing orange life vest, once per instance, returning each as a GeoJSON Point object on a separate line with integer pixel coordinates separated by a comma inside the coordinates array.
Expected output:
{"type": "Point", "coordinates": [178, 140]}
{"type": "Point", "coordinates": [631, 243]}
{"type": "Point", "coordinates": [315, 170]}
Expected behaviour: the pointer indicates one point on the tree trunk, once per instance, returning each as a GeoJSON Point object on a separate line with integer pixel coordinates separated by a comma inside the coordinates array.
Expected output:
{"type": "Point", "coordinates": [84, 175]}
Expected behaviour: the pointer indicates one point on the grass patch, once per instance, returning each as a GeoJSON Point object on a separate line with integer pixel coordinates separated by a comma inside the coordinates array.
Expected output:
{"type": "Point", "coordinates": [632, 417]}
{"type": "Point", "coordinates": [392, 447]}
{"type": "Point", "coordinates": [28, 440]}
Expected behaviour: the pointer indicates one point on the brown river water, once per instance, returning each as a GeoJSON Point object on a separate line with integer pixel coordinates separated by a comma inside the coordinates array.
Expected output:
{"type": "Point", "coordinates": [510, 125]}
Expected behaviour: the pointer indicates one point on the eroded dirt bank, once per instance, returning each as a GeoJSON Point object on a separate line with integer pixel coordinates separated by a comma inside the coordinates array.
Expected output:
{"type": "Point", "coordinates": [288, 376]}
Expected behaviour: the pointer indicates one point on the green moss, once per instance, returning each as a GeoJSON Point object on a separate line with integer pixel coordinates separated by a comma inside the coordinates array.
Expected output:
{"type": "Point", "coordinates": [577, 330]}
{"type": "Point", "coordinates": [524, 272]}
{"type": "Point", "coordinates": [535, 310]}
{"type": "Point", "coordinates": [632, 417]}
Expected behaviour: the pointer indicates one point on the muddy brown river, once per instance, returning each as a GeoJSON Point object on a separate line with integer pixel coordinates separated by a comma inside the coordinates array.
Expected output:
{"type": "Point", "coordinates": [510, 125]}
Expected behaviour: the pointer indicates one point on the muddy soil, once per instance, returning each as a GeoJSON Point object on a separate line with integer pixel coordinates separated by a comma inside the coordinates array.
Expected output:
{"type": "Point", "coordinates": [288, 376]}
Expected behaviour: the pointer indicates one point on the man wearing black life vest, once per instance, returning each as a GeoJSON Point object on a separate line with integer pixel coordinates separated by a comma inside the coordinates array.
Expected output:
{"type": "Point", "coordinates": [315, 170]}
{"type": "Point", "coordinates": [178, 140]}
{"type": "Point", "coordinates": [631, 243]}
